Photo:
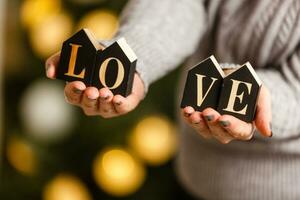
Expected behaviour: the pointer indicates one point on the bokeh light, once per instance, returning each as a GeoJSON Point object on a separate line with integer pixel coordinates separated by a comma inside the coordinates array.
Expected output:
{"type": "Point", "coordinates": [21, 155]}
{"type": "Point", "coordinates": [117, 172]}
{"type": "Point", "coordinates": [44, 112]}
{"type": "Point", "coordinates": [88, 2]}
{"type": "Point", "coordinates": [103, 23]}
{"type": "Point", "coordinates": [66, 187]}
{"type": "Point", "coordinates": [154, 140]}
{"type": "Point", "coordinates": [44, 136]}
{"type": "Point", "coordinates": [47, 37]}
{"type": "Point", "coordinates": [34, 12]}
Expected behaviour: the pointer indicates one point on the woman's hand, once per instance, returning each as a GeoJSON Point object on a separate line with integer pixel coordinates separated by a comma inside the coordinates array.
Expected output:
{"type": "Point", "coordinates": [97, 102]}
{"type": "Point", "coordinates": [225, 128]}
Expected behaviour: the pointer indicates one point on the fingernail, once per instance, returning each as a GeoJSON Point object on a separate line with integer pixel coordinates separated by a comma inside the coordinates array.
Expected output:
{"type": "Point", "coordinates": [224, 123]}
{"type": "Point", "coordinates": [91, 98]}
{"type": "Point", "coordinates": [187, 114]}
{"type": "Point", "coordinates": [47, 68]}
{"type": "Point", "coordinates": [105, 97]}
{"type": "Point", "coordinates": [77, 91]}
{"type": "Point", "coordinates": [209, 117]}
{"type": "Point", "coordinates": [119, 103]}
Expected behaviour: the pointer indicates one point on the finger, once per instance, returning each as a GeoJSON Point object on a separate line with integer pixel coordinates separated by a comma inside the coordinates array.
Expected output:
{"type": "Point", "coordinates": [138, 87]}
{"type": "Point", "coordinates": [124, 105]}
{"type": "Point", "coordinates": [236, 128]}
{"type": "Point", "coordinates": [211, 116]}
{"type": "Point", "coordinates": [194, 119]}
{"type": "Point", "coordinates": [89, 101]}
{"type": "Point", "coordinates": [74, 91]}
{"type": "Point", "coordinates": [187, 112]}
{"type": "Point", "coordinates": [51, 65]}
{"type": "Point", "coordinates": [106, 107]}
{"type": "Point", "coordinates": [198, 123]}
{"type": "Point", "coordinates": [263, 116]}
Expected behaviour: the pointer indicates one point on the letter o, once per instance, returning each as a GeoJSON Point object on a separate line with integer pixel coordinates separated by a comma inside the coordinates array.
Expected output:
{"type": "Point", "coordinates": [120, 75]}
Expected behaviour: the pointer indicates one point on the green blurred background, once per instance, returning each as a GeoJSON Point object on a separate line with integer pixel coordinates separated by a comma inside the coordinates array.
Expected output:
{"type": "Point", "coordinates": [50, 149]}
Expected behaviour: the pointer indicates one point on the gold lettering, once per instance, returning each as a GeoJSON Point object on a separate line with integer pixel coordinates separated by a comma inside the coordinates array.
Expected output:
{"type": "Point", "coordinates": [120, 75]}
{"type": "Point", "coordinates": [234, 96]}
{"type": "Point", "coordinates": [200, 97]}
{"type": "Point", "coordinates": [72, 62]}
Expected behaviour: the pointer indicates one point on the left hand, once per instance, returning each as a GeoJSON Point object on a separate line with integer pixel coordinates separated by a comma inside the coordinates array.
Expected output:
{"type": "Point", "coordinates": [225, 128]}
{"type": "Point", "coordinates": [96, 102]}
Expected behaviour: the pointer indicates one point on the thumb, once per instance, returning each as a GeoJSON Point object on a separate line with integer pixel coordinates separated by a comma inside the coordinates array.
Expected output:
{"type": "Point", "coordinates": [263, 117]}
{"type": "Point", "coordinates": [51, 65]}
{"type": "Point", "coordinates": [124, 105]}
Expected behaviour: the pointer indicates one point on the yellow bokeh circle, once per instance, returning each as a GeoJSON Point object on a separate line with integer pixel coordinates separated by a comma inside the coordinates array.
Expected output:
{"type": "Point", "coordinates": [103, 23]}
{"type": "Point", "coordinates": [117, 172]}
{"type": "Point", "coordinates": [66, 187]}
{"type": "Point", "coordinates": [48, 36]}
{"type": "Point", "coordinates": [154, 140]}
{"type": "Point", "coordinates": [34, 12]}
{"type": "Point", "coordinates": [21, 155]}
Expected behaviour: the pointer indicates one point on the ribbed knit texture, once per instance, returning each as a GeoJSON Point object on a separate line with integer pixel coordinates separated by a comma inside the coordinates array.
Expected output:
{"type": "Point", "coordinates": [266, 33]}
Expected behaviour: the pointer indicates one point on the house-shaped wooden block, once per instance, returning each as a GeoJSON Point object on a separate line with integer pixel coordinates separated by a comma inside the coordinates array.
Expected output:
{"type": "Point", "coordinates": [115, 67]}
{"type": "Point", "coordinates": [84, 59]}
{"type": "Point", "coordinates": [203, 84]}
{"type": "Point", "coordinates": [239, 93]}
{"type": "Point", "coordinates": [78, 57]}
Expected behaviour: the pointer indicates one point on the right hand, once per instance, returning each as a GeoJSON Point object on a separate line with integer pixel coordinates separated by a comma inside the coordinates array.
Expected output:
{"type": "Point", "coordinates": [225, 128]}
{"type": "Point", "coordinates": [98, 102]}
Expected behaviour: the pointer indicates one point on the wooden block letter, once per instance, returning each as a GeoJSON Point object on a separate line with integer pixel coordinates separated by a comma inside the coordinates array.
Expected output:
{"type": "Point", "coordinates": [78, 58]}
{"type": "Point", "coordinates": [239, 93]}
{"type": "Point", "coordinates": [203, 85]}
{"type": "Point", "coordinates": [115, 68]}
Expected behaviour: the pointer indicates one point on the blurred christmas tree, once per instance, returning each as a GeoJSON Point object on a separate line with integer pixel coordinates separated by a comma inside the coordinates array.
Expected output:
{"type": "Point", "coordinates": [52, 150]}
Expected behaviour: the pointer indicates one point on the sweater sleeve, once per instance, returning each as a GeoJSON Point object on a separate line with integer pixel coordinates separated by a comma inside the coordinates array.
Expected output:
{"type": "Point", "coordinates": [162, 33]}
{"type": "Point", "coordinates": [284, 86]}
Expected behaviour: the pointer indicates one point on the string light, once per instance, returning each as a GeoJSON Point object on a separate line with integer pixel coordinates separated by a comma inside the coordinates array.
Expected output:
{"type": "Point", "coordinates": [47, 37]}
{"type": "Point", "coordinates": [34, 12]}
{"type": "Point", "coordinates": [66, 187]}
{"type": "Point", "coordinates": [103, 23]}
{"type": "Point", "coordinates": [88, 2]}
{"type": "Point", "coordinates": [154, 140]}
{"type": "Point", "coordinates": [21, 156]}
{"type": "Point", "coordinates": [117, 172]}
{"type": "Point", "coordinates": [44, 112]}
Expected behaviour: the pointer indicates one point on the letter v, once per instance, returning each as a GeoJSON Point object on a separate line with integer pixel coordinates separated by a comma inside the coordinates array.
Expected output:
{"type": "Point", "coordinates": [200, 97]}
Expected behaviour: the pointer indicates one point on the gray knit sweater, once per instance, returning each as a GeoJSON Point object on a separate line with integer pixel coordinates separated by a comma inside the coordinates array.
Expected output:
{"type": "Point", "coordinates": [265, 32]}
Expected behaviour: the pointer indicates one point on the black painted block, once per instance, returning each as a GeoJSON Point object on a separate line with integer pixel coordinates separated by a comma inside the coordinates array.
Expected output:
{"type": "Point", "coordinates": [115, 67]}
{"type": "Point", "coordinates": [84, 59]}
{"type": "Point", "coordinates": [239, 93]}
{"type": "Point", "coordinates": [203, 85]}
{"type": "Point", "coordinates": [78, 57]}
